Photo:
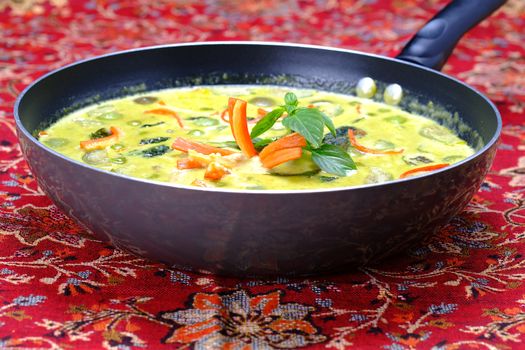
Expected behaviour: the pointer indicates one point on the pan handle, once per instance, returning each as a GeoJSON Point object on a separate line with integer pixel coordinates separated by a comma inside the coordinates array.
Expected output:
{"type": "Point", "coordinates": [433, 44]}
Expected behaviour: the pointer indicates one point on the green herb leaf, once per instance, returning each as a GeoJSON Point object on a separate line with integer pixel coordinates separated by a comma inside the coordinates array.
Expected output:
{"type": "Point", "coordinates": [307, 122]}
{"type": "Point", "coordinates": [266, 122]}
{"type": "Point", "coordinates": [261, 143]}
{"type": "Point", "coordinates": [329, 123]}
{"type": "Point", "coordinates": [290, 99]}
{"type": "Point", "coordinates": [333, 160]}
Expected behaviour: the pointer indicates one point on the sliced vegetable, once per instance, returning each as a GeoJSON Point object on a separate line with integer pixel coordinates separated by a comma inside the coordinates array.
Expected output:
{"type": "Point", "coordinates": [261, 101]}
{"type": "Point", "coordinates": [190, 163]}
{"type": "Point", "coordinates": [100, 133]}
{"type": "Point", "coordinates": [281, 156]}
{"type": "Point", "coordinates": [184, 145]}
{"type": "Point", "coordinates": [150, 125]}
{"type": "Point", "coordinates": [416, 159]}
{"type": "Point", "coordinates": [145, 100]}
{"type": "Point", "coordinates": [155, 151]}
{"type": "Point", "coordinates": [239, 126]}
{"type": "Point", "coordinates": [423, 169]}
{"type": "Point", "coordinates": [378, 175]}
{"type": "Point", "coordinates": [103, 142]}
{"type": "Point", "coordinates": [96, 157]}
{"type": "Point", "coordinates": [341, 136]}
{"type": "Point", "coordinates": [166, 111]}
{"type": "Point", "coordinates": [359, 147]}
{"type": "Point", "coordinates": [437, 133]}
{"type": "Point", "coordinates": [215, 171]}
{"type": "Point", "coordinates": [154, 140]}
{"type": "Point", "coordinates": [288, 141]}
{"type": "Point", "coordinates": [304, 166]}
{"type": "Point", "coordinates": [204, 121]}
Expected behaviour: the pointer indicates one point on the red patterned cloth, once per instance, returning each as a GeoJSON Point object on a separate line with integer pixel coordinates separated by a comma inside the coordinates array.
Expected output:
{"type": "Point", "coordinates": [61, 289]}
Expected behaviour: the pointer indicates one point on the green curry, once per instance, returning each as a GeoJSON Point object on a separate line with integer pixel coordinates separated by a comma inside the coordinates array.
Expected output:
{"type": "Point", "coordinates": [150, 136]}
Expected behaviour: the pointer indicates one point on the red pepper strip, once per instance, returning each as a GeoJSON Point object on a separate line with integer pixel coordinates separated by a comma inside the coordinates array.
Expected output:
{"type": "Point", "coordinates": [362, 148]}
{"type": "Point", "coordinates": [281, 156]}
{"type": "Point", "coordinates": [224, 116]}
{"type": "Point", "coordinates": [239, 126]}
{"type": "Point", "coordinates": [231, 104]}
{"type": "Point", "coordinates": [190, 163]}
{"type": "Point", "coordinates": [288, 141]}
{"type": "Point", "coordinates": [102, 142]}
{"type": "Point", "coordinates": [166, 111]}
{"type": "Point", "coordinates": [423, 169]}
{"type": "Point", "coordinates": [215, 171]}
{"type": "Point", "coordinates": [184, 145]}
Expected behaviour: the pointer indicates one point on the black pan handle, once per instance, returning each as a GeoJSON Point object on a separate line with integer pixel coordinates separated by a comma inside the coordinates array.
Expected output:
{"type": "Point", "coordinates": [433, 44]}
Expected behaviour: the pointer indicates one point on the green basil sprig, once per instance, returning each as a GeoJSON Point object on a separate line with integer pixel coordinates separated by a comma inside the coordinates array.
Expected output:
{"type": "Point", "coordinates": [310, 123]}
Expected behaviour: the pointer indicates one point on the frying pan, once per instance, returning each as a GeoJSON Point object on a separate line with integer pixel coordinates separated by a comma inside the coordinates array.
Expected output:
{"type": "Point", "coordinates": [249, 232]}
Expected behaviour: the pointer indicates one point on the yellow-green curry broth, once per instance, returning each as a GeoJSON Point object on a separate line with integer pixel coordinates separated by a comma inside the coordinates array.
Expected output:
{"type": "Point", "coordinates": [145, 149]}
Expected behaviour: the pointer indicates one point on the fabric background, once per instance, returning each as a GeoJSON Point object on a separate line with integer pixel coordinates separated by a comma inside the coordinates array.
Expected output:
{"type": "Point", "coordinates": [60, 288]}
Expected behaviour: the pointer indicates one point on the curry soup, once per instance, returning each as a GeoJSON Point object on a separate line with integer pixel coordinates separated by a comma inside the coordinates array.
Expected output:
{"type": "Point", "coordinates": [147, 136]}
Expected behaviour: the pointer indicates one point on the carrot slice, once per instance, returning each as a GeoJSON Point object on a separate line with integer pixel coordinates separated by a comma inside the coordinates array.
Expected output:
{"type": "Point", "coordinates": [281, 156]}
{"type": "Point", "coordinates": [215, 171]}
{"type": "Point", "coordinates": [190, 163]}
{"type": "Point", "coordinates": [357, 146]}
{"type": "Point", "coordinates": [184, 145]}
{"type": "Point", "coordinates": [288, 141]}
{"type": "Point", "coordinates": [423, 169]}
{"type": "Point", "coordinates": [103, 142]}
{"type": "Point", "coordinates": [166, 111]}
{"type": "Point", "coordinates": [239, 126]}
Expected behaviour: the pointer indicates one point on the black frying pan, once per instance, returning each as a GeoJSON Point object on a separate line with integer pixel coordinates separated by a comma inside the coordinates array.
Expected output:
{"type": "Point", "coordinates": [267, 232]}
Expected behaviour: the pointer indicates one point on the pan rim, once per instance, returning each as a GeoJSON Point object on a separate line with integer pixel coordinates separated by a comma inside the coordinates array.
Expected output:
{"type": "Point", "coordinates": [29, 136]}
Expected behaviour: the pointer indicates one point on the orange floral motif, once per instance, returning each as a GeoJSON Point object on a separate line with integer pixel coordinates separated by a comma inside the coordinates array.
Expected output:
{"type": "Point", "coordinates": [239, 321]}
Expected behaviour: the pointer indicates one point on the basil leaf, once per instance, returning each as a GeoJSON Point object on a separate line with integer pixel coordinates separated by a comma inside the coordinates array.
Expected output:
{"type": "Point", "coordinates": [266, 122]}
{"type": "Point", "coordinates": [329, 123]}
{"type": "Point", "coordinates": [290, 99]}
{"type": "Point", "coordinates": [333, 160]}
{"type": "Point", "coordinates": [261, 143]}
{"type": "Point", "coordinates": [307, 122]}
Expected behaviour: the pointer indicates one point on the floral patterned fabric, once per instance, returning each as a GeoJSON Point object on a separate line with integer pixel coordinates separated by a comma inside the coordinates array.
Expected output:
{"type": "Point", "coordinates": [60, 288]}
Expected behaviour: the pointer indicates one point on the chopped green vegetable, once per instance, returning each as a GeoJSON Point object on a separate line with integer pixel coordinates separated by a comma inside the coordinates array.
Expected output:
{"type": "Point", "coordinates": [204, 121]}
{"type": "Point", "coordinates": [155, 151]}
{"type": "Point", "coordinates": [150, 125]}
{"type": "Point", "coordinates": [196, 132]}
{"type": "Point", "coordinates": [328, 178]}
{"type": "Point", "coordinates": [100, 133]}
{"type": "Point", "coordinates": [154, 140]}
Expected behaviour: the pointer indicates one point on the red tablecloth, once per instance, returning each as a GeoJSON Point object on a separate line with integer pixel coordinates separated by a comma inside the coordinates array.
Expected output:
{"type": "Point", "coordinates": [60, 288]}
